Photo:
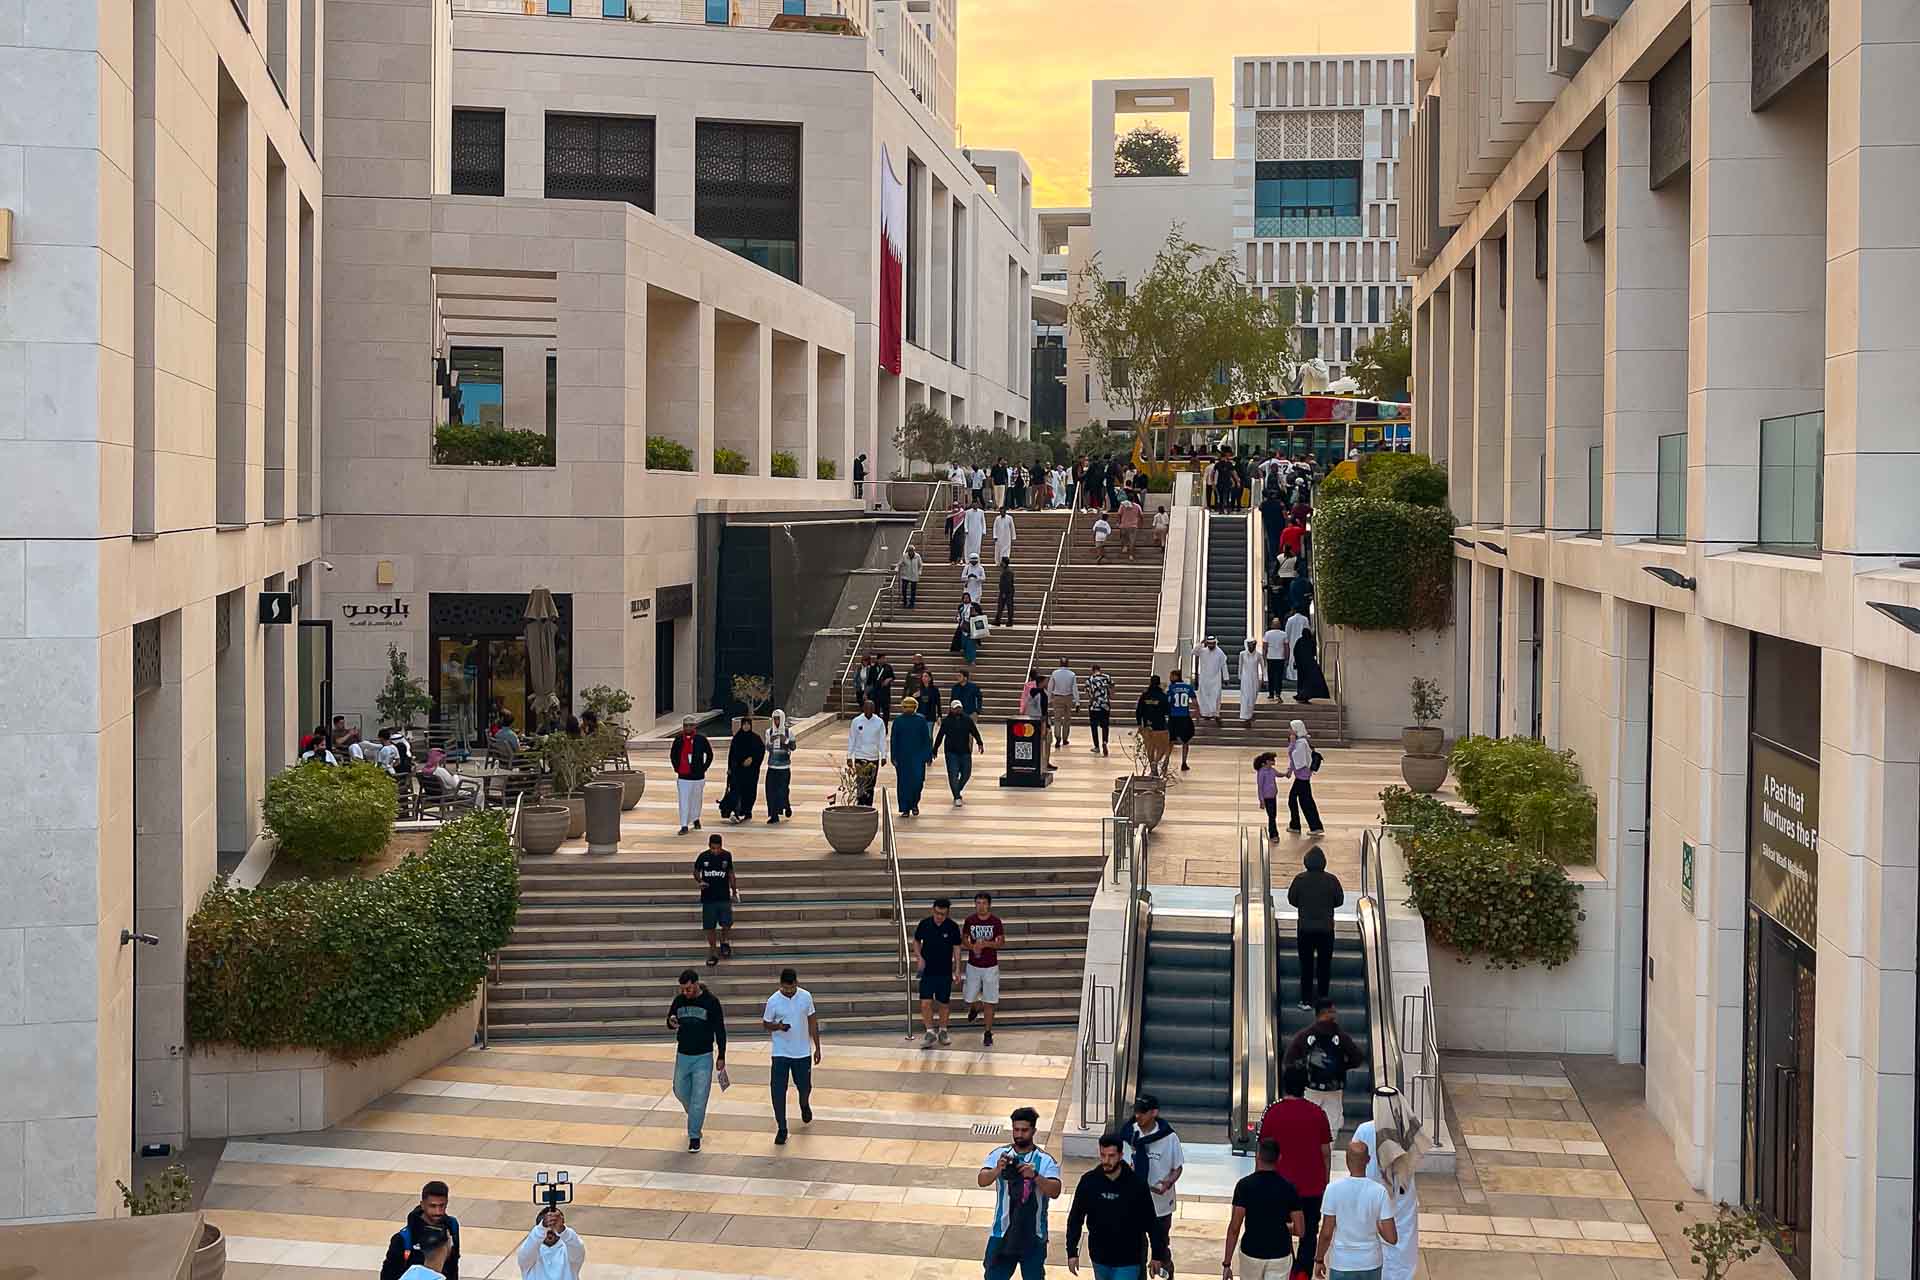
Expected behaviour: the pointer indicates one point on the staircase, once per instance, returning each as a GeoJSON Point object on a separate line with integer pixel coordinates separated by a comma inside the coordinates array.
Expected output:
{"type": "Point", "coordinates": [1326, 724]}
{"type": "Point", "coordinates": [1347, 988]}
{"type": "Point", "coordinates": [598, 944]}
{"type": "Point", "coordinates": [1186, 1024]}
{"type": "Point", "coordinates": [1226, 607]}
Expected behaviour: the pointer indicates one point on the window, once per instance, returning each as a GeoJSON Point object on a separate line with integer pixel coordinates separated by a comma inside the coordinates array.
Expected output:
{"type": "Point", "coordinates": [1053, 277]}
{"type": "Point", "coordinates": [1670, 520]}
{"type": "Point", "coordinates": [1119, 368]}
{"type": "Point", "coordinates": [1116, 289]}
{"type": "Point", "coordinates": [613, 8]}
{"type": "Point", "coordinates": [1792, 467]}
{"type": "Point", "coordinates": [1339, 306]}
{"type": "Point", "coordinates": [915, 172]}
{"type": "Point", "coordinates": [553, 393]}
{"type": "Point", "coordinates": [561, 7]}
{"type": "Point", "coordinates": [478, 401]}
{"type": "Point", "coordinates": [479, 153]}
{"type": "Point", "coordinates": [794, 8]}
{"type": "Point", "coordinates": [600, 158]}
{"type": "Point", "coordinates": [1307, 198]}
{"type": "Point", "coordinates": [746, 191]}
{"type": "Point", "coordinates": [1373, 304]}
{"type": "Point", "coordinates": [720, 12]}
{"type": "Point", "coordinates": [1596, 487]}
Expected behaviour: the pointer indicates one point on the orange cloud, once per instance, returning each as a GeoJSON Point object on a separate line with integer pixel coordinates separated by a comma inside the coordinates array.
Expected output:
{"type": "Point", "coordinates": [1027, 66]}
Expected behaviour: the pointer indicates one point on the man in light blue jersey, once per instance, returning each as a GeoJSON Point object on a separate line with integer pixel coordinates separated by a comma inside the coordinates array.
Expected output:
{"type": "Point", "coordinates": [1024, 1178]}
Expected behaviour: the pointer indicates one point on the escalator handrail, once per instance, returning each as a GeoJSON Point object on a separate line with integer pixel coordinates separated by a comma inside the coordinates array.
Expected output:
{"type": "Point", "coordinates": [1254, 1078]}
{"type": "Point", "coordinates": [1382, 1031]}
{"type": "Point", "coordinates": [1131, 1004]}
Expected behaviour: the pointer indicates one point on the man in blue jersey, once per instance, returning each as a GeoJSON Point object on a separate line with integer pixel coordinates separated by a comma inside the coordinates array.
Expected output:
{"type": "Point", "coordinates": [1180, 698]}
{"type": "Point", "coordinates": [1024, 1178]}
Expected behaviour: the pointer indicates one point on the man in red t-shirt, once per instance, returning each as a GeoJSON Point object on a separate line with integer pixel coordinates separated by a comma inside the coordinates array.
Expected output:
{"type": "Point", "coordinates": [1306, 1153]}
{"type": "Point", "coordinates": [1290, 538]}
{"type": "Point", "coordinates": [984, 937]}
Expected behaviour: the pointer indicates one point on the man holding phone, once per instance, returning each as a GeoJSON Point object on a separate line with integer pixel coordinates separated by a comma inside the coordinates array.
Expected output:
{"type": "Point", "coordinates": [552, 1250]}
{"type": "Point", "coordinates": [1024, 1178]}
{"type": "Point", "coordinates": [795, 1024]}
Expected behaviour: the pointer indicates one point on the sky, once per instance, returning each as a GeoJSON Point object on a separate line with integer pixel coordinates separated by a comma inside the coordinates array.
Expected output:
{"type": "Point", "coordinates": [1027, 66]}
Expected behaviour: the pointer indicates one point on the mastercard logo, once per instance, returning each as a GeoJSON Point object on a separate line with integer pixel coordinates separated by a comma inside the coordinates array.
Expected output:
{"type": "Point", "coordinates": [1021, 729]}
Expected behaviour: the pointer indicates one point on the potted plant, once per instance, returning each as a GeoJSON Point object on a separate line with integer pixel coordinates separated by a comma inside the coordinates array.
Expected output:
{"type": "Point", "coordinates": [403, 696]}
{"type": "Point", "coordinates": [610, 706]}
{"type": "Point", "coordinates": [1727, 1239]}
{"type": "Point", "coordinates": [849, 825]}
{"type": "Point", "coordinates": [1423, 766]}
{"type": "Point", "coordinates": [543, 826]}
{"type": "Point", "coordinates": [571, 761]}
{"type": "Point", "coordinates": [172, 1192]}
{"type": "Point", "coordinates": [1146, 790]}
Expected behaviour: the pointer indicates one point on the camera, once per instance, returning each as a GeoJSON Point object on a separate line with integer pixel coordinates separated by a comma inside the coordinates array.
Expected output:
{"type": "Point", "coordinates": [551, 1191]}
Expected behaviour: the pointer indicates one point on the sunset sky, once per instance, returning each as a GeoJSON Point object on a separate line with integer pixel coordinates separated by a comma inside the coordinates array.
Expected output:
{"type": "Point", "coordinates": [1027, 66]}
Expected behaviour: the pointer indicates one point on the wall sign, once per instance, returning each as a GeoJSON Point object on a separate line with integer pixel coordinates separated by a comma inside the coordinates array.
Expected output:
{"type": "Point", "coordinates": [376, 613]}
{"type": "Point", "coordinates": [276, 608]}
{"type": "Point", "coordinates": [674, 602]}
{"type": "Point", "coordinates": [1783, 856]}
{"type": "Point", "coordinates": [1686, 877]}
{"type": "Point", "coordinates": [639, 608]}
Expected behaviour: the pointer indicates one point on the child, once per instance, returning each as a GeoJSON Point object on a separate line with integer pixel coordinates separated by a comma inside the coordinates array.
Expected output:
{"type": "Point", "coordinates": [1100, 531]}
{"type": "Point", "coordinates": [1160, 522]}
{"type": "Point", "coordinates": [1266, 781]}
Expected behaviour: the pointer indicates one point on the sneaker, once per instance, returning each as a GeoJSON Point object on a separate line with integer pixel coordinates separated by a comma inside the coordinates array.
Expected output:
{"type": "Point", "coordinates": [806, 1114]}
{"type": "Point", "coordinates": [713, 958]}
{"type": "Point", "coordinates": [1184, 768]}
{"type": "Point", "coordinates": [959, 802]}
{"type": "Point", "coordinates": [693, 1144]}
{"type": "Point", "coordinates": [726, 951]}
{"type": "Point", "coordinates": [1105, 752]}
{"type": "Point", "coordinates": [1093, 751]}
{"type": "Point", "coordinates": [973, 1014]}
{"type": "Point", "coordinates": [927, 1041]}
{"type": "Point", "coordinates": [773, 822]}
{"type": "Point", "coordinates": [987, 1040]}
{"type": "Point", "coordinates": [1295, 830]}
{"type": "Point", "coordinates": [944, 1037]}
{"type": "Point", "coordinates": [683, 831]}
{"type": "Point", "coordinates": [1318, 831]}
{"type": "Point", "coordinates": [780, 1138]}
{"type": "Point", "coordinates": [1302, 1004]}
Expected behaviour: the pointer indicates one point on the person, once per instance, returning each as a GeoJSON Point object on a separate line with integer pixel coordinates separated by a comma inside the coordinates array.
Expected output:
{"type": "Point", "coordinates": [440, 781]}
{"type": "Point", "coordinates": [910, 566]}
{"type": "Point", "coordinates": [1180, 699]}
{"type": "Point", "coordinates": [1309, 681]}
{"type": "Point", "coordinates": [1300, 590]}
{"type": "Point", "coordinates": [1276, 649]}
{"type": "Point", "coordinates": [984, 935]}
{"type": "Point", "coordinates": [780, 744]}
{"type": "Point", "coordinates": [1402, 1253]}
{"type": "Point", "coordinates": [1063, 696]}
{"type": "Point", "coordinates": [431, 1261]}
{"type": "Point", "coordinates": [699, 1028]}
{"type": "Point", "coordinates": [1291, 535]}
{"type": "Point", "coordinates": [1062, 487]}
{"type": "Point", "coordinates": [552, 1250]}
{"type": "Point", "coordinates": [387, 754]}
{"type": "Point", "coordinates": [867, 749]}
{"type": "Point", "coordinates": [1112, 1202]}
{"type": "Point", "coordinates": [1033, 697]}
{"type": "Point", "coordinates": [745, 754]}
{"type": "Point", "coordinates": [877, 684]}
{"type": "Point", "coordinates": [926, 698]}
{"type": "Point", "coordinates": [1099, 709]}
{"type": "Point", "coordinates": [1267, 1216]}
{"type": "Point", "coordinates": [691, 755]}
{"type": "Point", "coordinates": [956, 532]}
{"type": "Point", "coordinates": [1016, 487]}
{"type": "Point", "coordinates": [959, 735]}
{"type": "Point", "coordinates": [997, 478]}
{"type": "Point", "coordinates": [1226, 480]}
{"type": "Point", "coordinates": [1161, 522]}
{"type": "Point", "coordinates": [1210, 677]}
{"type": "Point", "coordinates": [977, 482]}
{"type": "Point", "coordinates": [1266, 787]}
{"type": "Point", "coordinates": [1101, 532]}
{"type": "Point", "coordinates": [719, 890]}
{"type": "Point", "coordinates": [860, 475]}
{"type": "Point", "coordinates": [1003, 601]}
{"type": "Point", "coordinates": [1355, 1218]}
{"type": "Point", "coordinates": [1301, 766]}
{"type": "Point", "coordinates": [1076, 478]}
{"type": "Point", "coordinates": [1152, 714]}
{"type": "Point", "coordinates": [1284, 573]}
{"type": "Point", "coordinates": [1273, 518]}
{"type": "Point", "coordinates": [966, 693]}
{"type": "Point", "coordinates": [795, 1023]}
{"type": "Point", "coordinates": [1003, 536]}
{"type": "Point", "coordinates": [506, 743]}
{"type": "Point", "coordinates": [1328, 1053]}
{"type": "Point", "coordinates": [957, 477]}
{"type": "Point", "coordinates": [1315, 895]}
{"type": "Point", "coordinates": [1295, 628]}
{"type": "Point", "coordinates": [973, 579]}
{"type": "Point", "coordinates": [1129, 524]}
{"type": "Point", "coordinates": [428, 1227]}
{"type": "Point", "coordinates": [964, 642]}
{"type": "Point", "coordinates": [975, 526]}
{"type": "Point", "coordinates": [1249, 673]}
{"type": "Point", "coordinates": [318, 748]}
{"type": "Point", "coordinates": [936, 949]}
{"type": "Point", "coordinates": [1024, 1178]}
{"type": "Point", "coordinates": [1152, 1149]}
{"type": "Point", "coordinates": [1300, 1131]}
{"type": "Point", "coordinates": [912, 747]}
{"type": "Point", "coordinates": [1094, 483]}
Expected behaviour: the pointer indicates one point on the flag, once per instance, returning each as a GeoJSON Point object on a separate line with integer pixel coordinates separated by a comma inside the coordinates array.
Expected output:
{"type": "Point", "coordinates": [893, 257]}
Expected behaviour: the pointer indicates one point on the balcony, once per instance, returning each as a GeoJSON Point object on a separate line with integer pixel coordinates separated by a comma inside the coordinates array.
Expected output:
{"type": "Point", "coordinates": [1792, 468]}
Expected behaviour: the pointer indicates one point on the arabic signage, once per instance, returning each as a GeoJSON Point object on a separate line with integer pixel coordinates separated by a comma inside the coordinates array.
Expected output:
{"type": "Point", "coordinates": [1783, 837]}
{"type": "Point", "coordinates": [375, 613]}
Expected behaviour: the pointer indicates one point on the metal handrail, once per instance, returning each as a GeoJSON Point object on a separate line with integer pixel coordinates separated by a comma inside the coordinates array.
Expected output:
{"type": "Point", "coordinates": [1388, 1069]}
{"type": "Point", "coordinates": [1256, 1065]}
{"type": "Point", "coordinates": [1254, 607]}
{"type": "Point", "coordinates": [1132, 996]}
{"type": "Point", "coordinates": [1192, 641]}
{"type": "Point", "coordinates": [885, 802]}
{"type": "Point", "coordinates": [1046, 597]}
{"type": "Point", "coordinates": [886, 592]}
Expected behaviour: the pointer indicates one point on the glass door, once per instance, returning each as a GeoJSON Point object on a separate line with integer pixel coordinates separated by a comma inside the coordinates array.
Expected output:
{"type": "Point", "coordinates": [1783, 1080]}
{"type": "Point", "coordinates": [457, 670]}
{"type": "Point", "coordinates": [316, 672]}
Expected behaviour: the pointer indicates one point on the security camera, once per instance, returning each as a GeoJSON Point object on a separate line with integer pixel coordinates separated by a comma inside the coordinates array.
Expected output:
{"type": "Point", "coordinates": [325, 564]}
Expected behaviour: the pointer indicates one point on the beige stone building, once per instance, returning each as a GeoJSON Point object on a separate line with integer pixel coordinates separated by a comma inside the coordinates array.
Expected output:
{"type": "Point", "coordinates": [1661, 339]}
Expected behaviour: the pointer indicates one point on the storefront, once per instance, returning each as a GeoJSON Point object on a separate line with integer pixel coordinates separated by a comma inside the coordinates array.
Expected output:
{"type": "Point", "coordinates": [1783, 863]}
{"type": "Point", "coordinates": [478, 647]}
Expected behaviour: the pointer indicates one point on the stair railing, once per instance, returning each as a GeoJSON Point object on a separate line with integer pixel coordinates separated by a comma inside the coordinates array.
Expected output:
{"type": "Point", "coordinates": [1046, 599]}
{"type": "Point", "coordinates": [1384, 1040]}
{"type": "Point", "coordinates": [886, 593]}
{"type": "Point", "coordinates": [892, 855]}
{"type": "Point", "coordinates": [1255, 1067]}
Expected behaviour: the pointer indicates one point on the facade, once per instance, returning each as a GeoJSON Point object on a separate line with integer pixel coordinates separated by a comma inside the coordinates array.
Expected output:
{"type": "Point", "coordinates": [1050, 297]}
{"type": "Point", "coordinates": [1660, 337]}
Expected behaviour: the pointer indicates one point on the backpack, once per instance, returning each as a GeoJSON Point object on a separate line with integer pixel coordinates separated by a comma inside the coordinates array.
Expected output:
{"type": "Point", "coordinates": [1316, 761]}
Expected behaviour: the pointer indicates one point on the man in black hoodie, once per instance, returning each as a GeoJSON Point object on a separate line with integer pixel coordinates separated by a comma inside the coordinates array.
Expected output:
{"type": "Point", "coordinates": [1328, 1053]}
{"type": "Point", "coordinates": [959, 737]}
{"type": "Point", "coordinates": [700, 1033]}
{"type": "Point", "coordinates": [1315, 894]}
{"type": "Point", "coordinates": [1113, 1202]}
{"type": "Point", "coordinates": [427, 1226]}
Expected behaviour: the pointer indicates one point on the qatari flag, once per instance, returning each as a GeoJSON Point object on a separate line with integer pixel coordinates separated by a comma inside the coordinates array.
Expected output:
{"type": "Point", "coordinates": [893, 257]}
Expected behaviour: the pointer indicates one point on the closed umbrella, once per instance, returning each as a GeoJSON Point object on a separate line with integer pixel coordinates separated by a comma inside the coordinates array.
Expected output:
{"type": "Point", "coordinates": [543, 657]}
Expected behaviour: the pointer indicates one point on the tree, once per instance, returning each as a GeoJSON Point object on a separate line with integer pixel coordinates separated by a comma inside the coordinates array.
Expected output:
{"type": "Point", "coordinates": [1147, 151]}
{"type": "Point", "coordinates": [404, 695]}
{"type": "Point", "coordinates": [1188, 334]}
{"type": "Point", "coordinates": [925, 434]}
{"type": "Point", "coordinates": [1384, 362]}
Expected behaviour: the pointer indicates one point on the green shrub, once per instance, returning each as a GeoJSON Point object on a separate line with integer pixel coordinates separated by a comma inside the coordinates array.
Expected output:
{"type": "Point", "coordinates": [1162, 483]}
{"type": "Point", "coordinates": [786, 466]}
{"type": "Point", "coordinates": [1527, 792]}
{"type": "Point", "coordinates": [486, 446]}
{"type": "Point", "coordinates": [1336, 488]}
{"type": "Point", "coordinates": [1423, 487]}
{"type": "Point", "coordinates": [1385, 566]}
{"type": "Point", "coordinates": [666, 454]}
{"type": "Point", "coordinates": [825, 469]}
{"type": "Point", "coordinates": [330, 816]}
{"type": "Point", "coordinates": [352, 967]}
{"type": "Point", "coordinates": [729, 462]}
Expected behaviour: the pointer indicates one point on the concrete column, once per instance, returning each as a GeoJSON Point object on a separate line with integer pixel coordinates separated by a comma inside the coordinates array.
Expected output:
{"type": "Point", "coordinates": [1432, 422]}
{"type": "Point", "coordinates": [1574, 313]}
{"type": "Point", "coordinates": [706, 390]}
{"type": "Point", "coordinates": [1490, 389]}
{"type": "Point", "coordinates": [1526, 361]}
{"type": "Point", "coordinates": [159, 849]}
{"type": "Point", "coordinates": [1460, 387]}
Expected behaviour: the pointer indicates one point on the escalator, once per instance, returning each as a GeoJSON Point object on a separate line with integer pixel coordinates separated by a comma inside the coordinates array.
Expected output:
{"type": "Point", "coordinates": [1186, 1022]}
{"type": "Point", "coordinates": [1347, 988]}
{"type": "Point", "coordinates": [1225, 612]}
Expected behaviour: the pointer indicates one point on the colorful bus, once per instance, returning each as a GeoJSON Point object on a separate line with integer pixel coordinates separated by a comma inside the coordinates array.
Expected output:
{"type": "Point", "coordinates": [1324, 429]}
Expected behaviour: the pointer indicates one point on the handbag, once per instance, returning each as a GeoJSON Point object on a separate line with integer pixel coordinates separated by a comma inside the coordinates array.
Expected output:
{"type": "Point", "coordinates": [978, 627]}
{"type": "Point", "coordinates": [1316, 762]}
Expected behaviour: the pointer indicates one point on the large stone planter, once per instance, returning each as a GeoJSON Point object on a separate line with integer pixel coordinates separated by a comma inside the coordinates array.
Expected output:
{"type": "Point", "coordinates": [1425, 741]}
{"type": "Point", "coordinates": [1424, 773]}
{"type": "Point", "coordinates": [1146, 802]}
{"type": "Point", "coordinates": [850, 828]}
{"type": "Point", "coordinates": [543, 828]}
{"type": "Point", "coordinates": [210, 1255]}
{"type": "Point", "coordinates": [909, 496]}
{"type": "Point", "coordinates": [576, 815]}
{"type": "Point", "coordinates": [633, 785]}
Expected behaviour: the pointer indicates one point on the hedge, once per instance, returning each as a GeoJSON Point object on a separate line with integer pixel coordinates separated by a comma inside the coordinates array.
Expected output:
{"type": "Point", "coordinates": [1527, 792]}
{"type": "Point", "coordinates": [729, 462]}
{"type": "Point", "coordinates": [458, 445]}
{"type": "Point", "coordinates": [352, 967]}
{"type": "Point", "coordinates": [1481, 894]}
{"type": "Point", "coordinates": [667, 454]}
{"type": "Point", "coordinates": [1383, 565]}
{"type": "Point", "coordinates": [825, 468]}
{"type": "Point", "coordinates": [330, 816]}
{"type": "Point", "coordinates": [785, 465]}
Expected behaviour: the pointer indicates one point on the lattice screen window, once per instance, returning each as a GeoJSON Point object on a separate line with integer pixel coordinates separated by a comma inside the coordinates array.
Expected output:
{"type": "Point", "coordinates": [600, 158]}
{"type": "Point", "coordinates": [1309, 135]}
{"type": "Point", "coordinates": [479, 153]}
{"type": "Point", "coordinates": [747, 191]}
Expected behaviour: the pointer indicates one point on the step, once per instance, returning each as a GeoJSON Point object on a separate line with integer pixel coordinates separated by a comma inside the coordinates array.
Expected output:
{"type": "Point", "coordinates": [840, 991]}
{"type": "Point", "coordinates": [654, 1029]}
{"type": "Point", "coordinates": [640, 1013]}
{"type": "Point", "coordinates": [845, 963]}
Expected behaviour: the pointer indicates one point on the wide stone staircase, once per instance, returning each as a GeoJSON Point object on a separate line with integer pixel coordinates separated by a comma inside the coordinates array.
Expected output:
{"type": "Point", "coordinates": [599, 943]}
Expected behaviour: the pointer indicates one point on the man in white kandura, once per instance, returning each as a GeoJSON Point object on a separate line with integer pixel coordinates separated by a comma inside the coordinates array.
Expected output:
{"type": "Point", "coordinates": [1002, 536]}
{"type": "Point", "coordinates": [1209, 678]}
{"type": "Point", "coordinates": [1249, 681]}
{"type": "Point", "coordinates": [975, 525]}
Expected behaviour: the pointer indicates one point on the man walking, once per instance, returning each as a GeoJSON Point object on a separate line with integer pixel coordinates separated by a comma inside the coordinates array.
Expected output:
{"type": "Point", "coordinates": [959, 736]}
{"type": "Point", "coordinates": [1355, 1218]}
{"type": "Point", "coordinates": [860, 475]}
{"type": "Point", "coordinates": [1003, 601]}
{"type": "Point", "coordinates": [1315, 895]}
{"type": "Point", "coordinates": [1113, 1202]}
{"type": "Point", "coordinates": [966, 692]}
{"type": "Point", "coordinates": [910, 567]}
{"type": "Point", "coordinates": [1152, 1149]}
{"type": "Point", "coordinates": [428, 1227]}
{"type": "Point", "coordinates": [691, 755]}
{"type": "Point", "coordinates": [1129, 523]}
{"type": "Point", "coordinates": [1151, 714]}
{"type": "Point", "coordinates": [1024, 1178]}
{"type": "Point", "coordinates": [1099, 709]}
{"type": "Point", "coordinates": [1063, 696]}
{"type": "Point", "coordinates": [1267, 1215]}
{"type": "Point", "coordinates": [1277, 649]}
{"type": "Point", "coordinates": [1003, 536]}
{"type": "Point", "coordinates": [975, 528]}
{"type": "Point", "coordinates": [1210, 677]}
{"type": "Point", "coordinates": [795, 1025]}
{"type": "Point", "coordinates": [985, 936]}
{"type": "Point", "coordinates": [1328, 1053]}
{"type": "Point", "coordinates": [1304, 1139]}
{"type": "Point", "coordinates": [1180, 699]}
{"type": "Point", "coordinates": [700, 1049]}
{"type": "Point", "coordinates": [719, 890]}
{"type": "Point", "coordinates": [867, 749]}
{"type": "Point", "coordinates": [936, 948]}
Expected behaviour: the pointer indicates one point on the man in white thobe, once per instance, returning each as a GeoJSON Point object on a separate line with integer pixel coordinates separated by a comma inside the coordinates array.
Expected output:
{"type": "Point", "coordinates": [1209, 678]}
{"type": "Point", "coordinates": [1249, 681]}
{"type": "Point", "coordinates": [1403, 1255]}
{"type": "Point", "coordinates": [1296, 627]}
{"type": "Point", "coordinates": [973, 578]}
{"type": "Point", "coordinates": [1002, 536]}
{"type": "Point", "coordinates": [975, 525]}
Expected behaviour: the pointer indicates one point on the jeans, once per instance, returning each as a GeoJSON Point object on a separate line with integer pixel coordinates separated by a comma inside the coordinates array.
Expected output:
{"type": "Point", "coordinates": [801, 1070]}
{"type": "Point", "coordinates": [692, 1081]}
{"type": "Point", "coordinates": [1102, 1271]}
{"type": "Point", "coordinates": [1272, 805]}
{"type": "Point", "coordinates": [1032, 1263]}
{"type": "Point", "coordinates": [1371, 1273]}
{"type": "Point", "coordinates": [1316, 962]}
{"type": "Point", "coordinates": [1276, 672]}
{"type": "Point", "coordinates": [909, 593]}
{"type": "Point", "coordinates": [1100, 724]}
{"type": "Point", "coordinates": [1299, 798]}
{"type": "Point", "coordinates": [959, 770]}
{"type": "Point", "coordinates": [1309, 1243]}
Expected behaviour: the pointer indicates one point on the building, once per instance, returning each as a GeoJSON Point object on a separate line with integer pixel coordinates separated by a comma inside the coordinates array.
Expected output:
{"type": "Point", "coordinates": [1050, 298]}
{"type": "Point", "coordinates": [1661, 337]}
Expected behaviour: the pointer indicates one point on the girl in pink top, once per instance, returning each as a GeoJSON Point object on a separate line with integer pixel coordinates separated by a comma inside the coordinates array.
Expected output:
{"type": "Point", "coordinates": [1266, 782]}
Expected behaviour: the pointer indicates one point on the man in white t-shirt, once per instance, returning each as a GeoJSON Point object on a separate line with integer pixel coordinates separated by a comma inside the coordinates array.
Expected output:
{"type": "Point", "coordinates": [1355, 1217]}
{"type": "Point", "coordinates": [1274, 646]}
{"type": "Point", "coordinates": [1151, 1148]}
{"type": "Point", "coordinates": [795, 1025]}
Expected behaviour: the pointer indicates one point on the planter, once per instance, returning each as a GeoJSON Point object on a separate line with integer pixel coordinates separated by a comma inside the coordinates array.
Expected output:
{"type": "Point", "coordinates": [1423, 741]}
{"type": "Point", "coordinates": [210, 1255]}
{"type": "Point", "coordinates": [543, 827]}
{"type": "Point", "coordinates": [909, 496]}
{"type": "Point", "coordinates": [1146, 802]}
{"type": "Point", "coordinates": [1423, 772]}
{"type": "Point", "coordinates": [633, 785]}
{"type": "Point", "coordinates": [850, 828]}
{"type": "Point", "coordinates": [576, 815]}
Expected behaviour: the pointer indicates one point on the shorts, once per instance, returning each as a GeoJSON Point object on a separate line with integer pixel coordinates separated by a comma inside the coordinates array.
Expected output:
{"type": "Point", "coordinates": [937, 986]}
{"type": "Point", "coordinates": [1180, 728]}
{"type": "Point", "coordinates": [716, 915]}
{"type": "Point", "coordinates": [982, 984]}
